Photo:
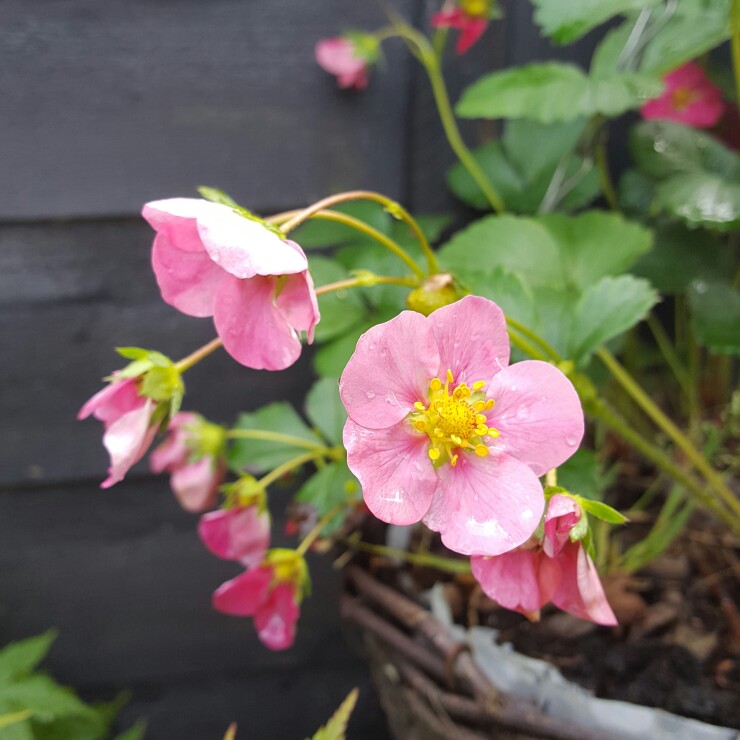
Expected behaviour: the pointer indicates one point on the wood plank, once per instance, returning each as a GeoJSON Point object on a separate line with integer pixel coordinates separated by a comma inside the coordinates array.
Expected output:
{"type": "Point", "coordinates": [124, 578]}
{"type": "Point", "coordinates": [108, 105]}
{"type": "Point", "coordinates": [71, 292]}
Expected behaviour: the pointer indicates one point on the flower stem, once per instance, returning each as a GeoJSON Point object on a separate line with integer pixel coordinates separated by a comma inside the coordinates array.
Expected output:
{"type": "Point", "coordinates": [364, 281]}
{"type": "Point", "coordinates": [312, 536]}
{"type": "Point", "coordinates": [527, 347]}
{"type": "Point", "coordinates": [666, 425]}
{"type": "Point", "coordinates": [395, 209]}
{"type": "Point", "coordinates": [195, 357]}
{"type": "Point", "coordinates": [447, 565]}
{"type": "Point", "coordinates": [669, 354]}
{"type": "Point", "coordinates": [598, 409]}
{"type": "Point", "coordinates": [267, 436]}
{"type": "Point", "coordinates": [533, 336]}
{"type": "Point", "coordinates": [294, 462]}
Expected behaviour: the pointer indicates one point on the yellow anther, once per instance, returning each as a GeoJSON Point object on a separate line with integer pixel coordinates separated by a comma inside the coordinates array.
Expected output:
{"type": "Point", "coordinates": [493, 432]}
{"type": "Point", "coordinates": [481, 450]}
{"type": "Point", "coordinates": [478, 385]}
{"type": "Point", "coordinates": [456, 439]}
{"type": "Point", "coordinates": [438, 432]}
{"type": "Point", "coordinates": [479, 406]}
{"type": "Point", "coordinates": [453, 460]}
{"type": "Point", "coordinates": [420, 426]}
{"type": "Point", "coordinates": [489, 404]}
{"type": "Point", "coordinates": [436, 384]}
{"type": "Point", "coordinates": [481, 431]}
{"type": "Point", "coordinates": [419, 406]}
{"type": "Point", "coordinates": [463, 443]}
{"type": "Point", "coordinates": [433, 453]}
{"type": "Point", "coordinates": [480, 419]}
{"type": "Point", "coordinates": [450, 378]}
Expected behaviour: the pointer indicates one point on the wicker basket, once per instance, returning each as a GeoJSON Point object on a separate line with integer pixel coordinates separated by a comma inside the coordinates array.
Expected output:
{"type": "Point", "coordinates": [428, 683]}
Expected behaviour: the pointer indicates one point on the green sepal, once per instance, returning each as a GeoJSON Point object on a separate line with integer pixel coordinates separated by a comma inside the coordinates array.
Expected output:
{"type": "Point", "coordinates": [601, 510]}
{"type": "Point", "coordinates": [289, 566]}
{"type": "Point", "coordinates": [247, 491]}
{"type": "Point", "coordinates": [162, 384]}
{"type": "Point", "coordinates": [366, 46]}
{"type": "Point", "coordinates": [214, 195]}
{"type": "Point", "coordinates": [580, 530]}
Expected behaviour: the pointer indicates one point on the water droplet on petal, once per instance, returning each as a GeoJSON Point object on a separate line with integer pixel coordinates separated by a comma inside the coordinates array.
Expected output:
{"type": "Point", "coordinates": [572, 439]}
{"type": "Point", "coordinates": [370, 395]}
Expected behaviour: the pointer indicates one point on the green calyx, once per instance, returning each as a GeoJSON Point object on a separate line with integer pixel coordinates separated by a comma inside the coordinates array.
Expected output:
{"type": "Point", "coordinates": [289, 566]}
{"type": "Point", "coordinates": [435, 292]}
{"type": "Point", "coordinates": [364, 45]}
{"type": "Point", "coordinates": [247, 491]}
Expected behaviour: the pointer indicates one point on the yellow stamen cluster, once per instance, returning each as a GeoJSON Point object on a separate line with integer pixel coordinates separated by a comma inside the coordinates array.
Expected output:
{"type": "Point", "coordinates": [454, 420]}
{"type": "Point", "coordinates": [682, 97]}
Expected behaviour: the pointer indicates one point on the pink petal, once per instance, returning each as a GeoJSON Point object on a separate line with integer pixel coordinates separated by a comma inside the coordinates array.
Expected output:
{"type": "Point", "coordinates": [297, 300]}
{"type": "Point", "coordinates": [580, 591]}
{"type": "Point", "coordinates": [245, 248]}
{"type": "Point", "coordinates": [485, 505]}
{"type": "Point", "coordinates": [174, 451]}
{"type": "Point", "coordinates": [254, 330]}
{"type": "Point", "coordinates": [337, 57]}
{"type": "Point", "coordinates": [394, 469]}
{"type": "Point", "coordinates": [563, 513]}
{"type": "Point", "coordinates": [176, 220]}
{"type": "Point", "coordinates": [514, 579]}
{"type": "Point", "coordinates": [470, 33]}
{"type": "Point", "coordinates": [241, 533]}
{"type": "Point", "coordinates": [389, 371]}
{"type": "Point", "coordinates": [538, 414]}
{"type": "Point", "coordinates": [242, 596]}
{"type": "Point", "coordinates": [472, 339]}
{"type": "Point", "coordinates": [195, 485]}
{"type": "Point", "coordinates": [276, 618]}
{"type": "Point", "coordinates": [112, 402]}
{"type": "Point", "coordinates": [187, 280]}
{"type": "Point", "coordinates": [127, 439]}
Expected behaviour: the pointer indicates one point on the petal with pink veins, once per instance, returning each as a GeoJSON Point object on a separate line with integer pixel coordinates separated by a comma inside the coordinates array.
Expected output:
{"type": "Point", "coordinates": [195, 484]}
{"type": "Point", "coordinates": [485, 505]}
{"type": "Point", "coordinates": [538, 414]}
{"type": "Point", "coordinates": [127, 439]}
{"type": "Point", "coordinates": [253, 329]}
{"type": "Point", "coordinates": [472, 339]}
{"type": "Point", "coordinates": [297, 300]}
{"type": "Point", "coordinates": [389, 371]}
{"type": "Point", "coordinates": [563, 513]}
{"type": "Point", "coordinates": [187, 280]}
{"type": "Point", "coordinates": [242, 596]}
{"type": "Point", "coordinates": [394, 469]}
{"type": "Point", "coordinates": [245, 248]}
{"type": "Point", "coordinates": [240, 533]}
{"type": "Point", "coordinates": [275, 619]}
{"type": "Point", "coordinates": [580, 591]}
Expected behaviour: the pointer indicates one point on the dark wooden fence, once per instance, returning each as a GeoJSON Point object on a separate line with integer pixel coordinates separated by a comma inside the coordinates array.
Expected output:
{"type": "Point", "coordinates": [104, 105]}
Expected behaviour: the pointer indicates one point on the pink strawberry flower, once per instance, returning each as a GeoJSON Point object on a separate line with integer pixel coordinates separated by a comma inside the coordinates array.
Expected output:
{"type": "Point", "coordinates": [195, 474]}
{"type": "Point", "coordinates": [690, 98]}
{"type": "Point", "coordinates": [557, 570]}
{"type": "Point", "coordinates": [440, 428]}
{"type": "Point", "coordinates": [240, 533]}
{"type": "Point", "coordinates": [347, 59]}
{"type": "Point", "coordinates": [210, 260]}
{"type": "Point", "coordinates": [470, 17]}
{"type": "Point", "coordinates": [127, 419]}
{"type": "Point", "coordinates": [270, 593]}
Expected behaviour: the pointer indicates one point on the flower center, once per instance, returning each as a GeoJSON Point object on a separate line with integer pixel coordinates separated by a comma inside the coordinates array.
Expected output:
{"type": "Point", "coordinates": [476, 8]}
{"type": "Point", "coordinates": [454, 420]}
{"type": "Point", "coordinates": [682, 97]}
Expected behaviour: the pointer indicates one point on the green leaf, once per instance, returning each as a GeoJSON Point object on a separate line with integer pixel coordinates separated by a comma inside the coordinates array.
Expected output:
{"type": "Point", "coordinates": [19, 731]}
{"type": "Point", "coordinates": [19, 659]}
{"type": "Point", "coordinates": [701, 199]}
{"type": "Point", "coordinates": [11, 718]}
{"type": "Point", "coordinates": [505, 289]}
{"type": "Point", "coordinates": [318, 233]}
{"type": "Point", "coordinates": [340, 310]}
{"type": "Point", "coordinates": [522, 164]}
{"type": "Point", "coordinates": [133, 353]}
{"type": "Point", "coordinates": [134, 733]}
{"type": "Point", "coordinates": [334, 484]}
{"type": "Point", "coordinates": [553, 91]}
{"type": "Point", "coordinates": [637, 194]}
{"type": "Point", "coordinates": [696, 27]}
{"type": "Point", "coordinates": [259, 456]}
{"type": "Point", "coordinates": [336, 727]}
{"type": "Point", "coordinates": [680, 255]}
{"type": "Point", "coordinates": [331, 359]}
{"type": "Point", "coordinates": [582, 474]}
{"type": "Point", "coordinates": [602, 511]}
{"type": "Point", "coordinates": [606, 310]}
{"type": "Point", "coordinates": [715, 315]}
{"type": "Point", "coordinates": [325, 410]}
{"type": "Point", "coordinates": [566, 22]}
{"type": "Point", "coordinates": [43, 697]}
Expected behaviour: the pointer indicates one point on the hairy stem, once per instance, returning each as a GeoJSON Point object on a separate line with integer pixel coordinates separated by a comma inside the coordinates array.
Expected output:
{"type": "Point", "coordinates": [195, 357]}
